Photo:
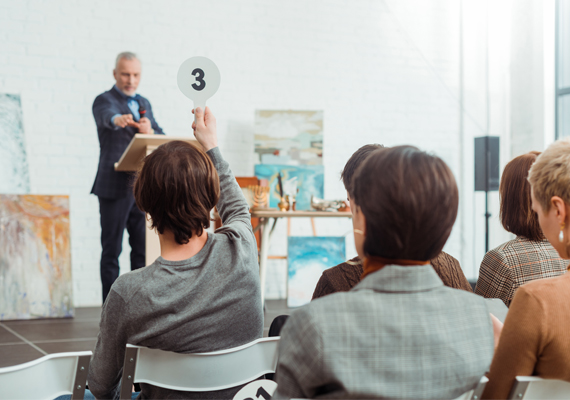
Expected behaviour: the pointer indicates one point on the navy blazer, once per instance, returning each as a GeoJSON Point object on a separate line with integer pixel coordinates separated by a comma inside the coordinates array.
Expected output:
{"type": "Point", "coordinates": [113, 141]}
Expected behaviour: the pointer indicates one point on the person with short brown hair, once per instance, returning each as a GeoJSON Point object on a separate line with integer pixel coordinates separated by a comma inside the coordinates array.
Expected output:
{"type": "Point", "coordinates": [177, 187]}
{"type": "Point", "coordinates": [535, 339]}
{"type": "Point", "coordinates": [399, 333]}
{"type": "Point", "coordinates": [527, 257]}
{"type": "Point", "coordinates": [203, 293]}
{"type": "Point", "coordinates": [343, 277]}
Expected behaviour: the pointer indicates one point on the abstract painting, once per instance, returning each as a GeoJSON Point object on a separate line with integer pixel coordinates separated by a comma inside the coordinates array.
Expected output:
{"type": "Point", "coordinates": [310, 181]}
{"type": "Point", "coordinates": [35, 258]}
{"type": "Point", "coordinates": [308, 257]}
{"type": "Point", "coordinates": [15, 177]}
{"type": "Point", "coordinates": [289, 137]}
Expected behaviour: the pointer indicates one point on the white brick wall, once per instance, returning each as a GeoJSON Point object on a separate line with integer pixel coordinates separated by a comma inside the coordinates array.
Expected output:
{"type": "Point", "coordinates": [384, 72]}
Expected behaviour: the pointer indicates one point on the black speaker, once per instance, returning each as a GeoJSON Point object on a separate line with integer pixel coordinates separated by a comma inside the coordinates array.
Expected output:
{"type": "Point", "coordinates": [487, 163]}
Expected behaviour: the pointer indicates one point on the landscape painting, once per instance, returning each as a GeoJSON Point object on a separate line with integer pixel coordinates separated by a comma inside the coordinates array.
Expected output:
{"type": "Point", "coordinates": [35, 258]}
{"type": "Point", "coordinates": [308, 257]}
{"type": "Point", "coordinates": [15, 177]}
{"type": "Point", "coordinates": [289, 137]}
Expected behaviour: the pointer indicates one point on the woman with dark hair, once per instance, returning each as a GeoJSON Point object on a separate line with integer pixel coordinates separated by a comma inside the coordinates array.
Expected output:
{"type": "Point", "coordinates": [399, 333]}
{"type": "Point", "coordinates": [202, 294]}
{"type": "Point", "coordinates": [536, 336]}
{"type": "Point", "coordinates": [343, 277]}
{"type": "Point", "coordinates": [527, 257]}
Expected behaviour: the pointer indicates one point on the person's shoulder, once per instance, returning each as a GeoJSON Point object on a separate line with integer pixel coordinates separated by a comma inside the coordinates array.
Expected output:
{"type": "Point", "coordinates": [127, 284]}
{"type": "Point", "coordinates": [499, 254]}
{"type": "Point", "coordinates": [347, 273]}
{"type": "Point", "coordinates": [546, 287]}
{"type": "Point", "coordinates": [105, 96]}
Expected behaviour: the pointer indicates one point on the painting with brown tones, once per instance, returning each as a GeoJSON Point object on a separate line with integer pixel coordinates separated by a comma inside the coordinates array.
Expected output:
{"type": "Point", "coordinates": [35, 257]}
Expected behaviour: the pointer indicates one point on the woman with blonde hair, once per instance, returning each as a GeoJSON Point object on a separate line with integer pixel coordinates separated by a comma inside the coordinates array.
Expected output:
{"type": "Point", "coordinates": [536, 336]}
{"type": "Point", "coordinates": [527, 257]}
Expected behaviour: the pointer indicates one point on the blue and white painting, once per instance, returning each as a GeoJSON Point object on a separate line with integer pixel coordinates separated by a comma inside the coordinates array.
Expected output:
{"type": "Point", "coordinates": [308, 257]}
{"type": "Point", "coordinates": [15, 177]}
{"type": "Point", "coordinates": [310, 181]}
{"type": "Point", "coordinates": [291, 137]}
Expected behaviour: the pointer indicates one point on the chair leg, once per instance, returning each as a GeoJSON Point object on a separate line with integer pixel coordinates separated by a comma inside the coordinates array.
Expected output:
{"type": "Point", "coordinates": [80, 377]}
{"type": "Point", "coordinates": [129, 366]}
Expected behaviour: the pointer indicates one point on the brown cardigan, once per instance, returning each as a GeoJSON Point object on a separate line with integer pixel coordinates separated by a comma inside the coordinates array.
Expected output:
{"type": "Point", "coordinates": [536, 336]}
{"type": "Point", "coordinates": [345, 276]}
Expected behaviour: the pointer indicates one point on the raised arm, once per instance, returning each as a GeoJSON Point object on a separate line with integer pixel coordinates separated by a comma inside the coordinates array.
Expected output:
{"type": "Point", "coordinates": [232, 206]}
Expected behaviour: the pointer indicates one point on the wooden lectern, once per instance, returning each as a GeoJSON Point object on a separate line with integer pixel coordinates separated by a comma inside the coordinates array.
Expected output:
{"type": "Point", "coordinates": [142, 145]}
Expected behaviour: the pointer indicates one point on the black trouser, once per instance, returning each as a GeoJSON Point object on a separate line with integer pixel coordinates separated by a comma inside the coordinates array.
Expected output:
{"type": "Point", "coordinates": [116, 215]}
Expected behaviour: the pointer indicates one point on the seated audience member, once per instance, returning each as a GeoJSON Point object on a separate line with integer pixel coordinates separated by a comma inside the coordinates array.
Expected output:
{"type": "Point", "coordinates": [536, 336]}
{"type": "Point", "coordinates": [343, 277]}
{"type": "Point", "coordinates": [202, 294]}
{"type": "Point", "coordinates": [399, 333]}
{"type": "Point", "coordinates": [527, 257]}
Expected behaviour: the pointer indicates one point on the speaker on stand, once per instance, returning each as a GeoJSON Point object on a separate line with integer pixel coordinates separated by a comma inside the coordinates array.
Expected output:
{"type": "Point", "coordinates": [487, 173]}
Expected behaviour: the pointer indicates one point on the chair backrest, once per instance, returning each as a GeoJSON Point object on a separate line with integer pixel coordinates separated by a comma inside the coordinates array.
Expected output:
{"type": "Point", "coordinates": [476, 393]}
{"type": "Point", "coordinates": [261, 389]}
{"type": "Point", "coordinates": [533, 387]}
{"type": "Point", "coordinates": [47, 378]}
{"type": "Point", "coordinates": [198, 372]}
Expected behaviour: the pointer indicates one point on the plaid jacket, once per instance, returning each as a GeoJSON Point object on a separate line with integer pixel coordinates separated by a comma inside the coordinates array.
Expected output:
{"type": "Point", "coordinates": [515, 263]}
{"type": "Point", "coordinates": [400, 333]}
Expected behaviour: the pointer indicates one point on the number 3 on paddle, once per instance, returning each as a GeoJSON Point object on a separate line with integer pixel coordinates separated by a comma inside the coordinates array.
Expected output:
{"type": "Point", "coordinates": [200, 82]}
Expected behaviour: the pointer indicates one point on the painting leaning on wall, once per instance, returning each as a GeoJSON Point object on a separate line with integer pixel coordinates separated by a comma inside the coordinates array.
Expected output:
{"type": "Point", "coordinates": [35, 258]}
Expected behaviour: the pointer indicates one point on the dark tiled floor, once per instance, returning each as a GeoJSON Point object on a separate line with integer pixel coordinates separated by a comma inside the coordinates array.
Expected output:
{"type": "Point", "coordinates": [23, 341]}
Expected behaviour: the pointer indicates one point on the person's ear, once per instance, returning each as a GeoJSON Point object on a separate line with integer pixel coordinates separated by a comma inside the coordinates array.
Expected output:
{"type": "Point", "coordinates": [560, 208]}
{"type": "Point", "coordinates": [359, 220]}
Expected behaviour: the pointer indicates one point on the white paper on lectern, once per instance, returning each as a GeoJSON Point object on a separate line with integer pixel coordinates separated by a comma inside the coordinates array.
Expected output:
{"type": "Point", "coordinates": [198, 79]}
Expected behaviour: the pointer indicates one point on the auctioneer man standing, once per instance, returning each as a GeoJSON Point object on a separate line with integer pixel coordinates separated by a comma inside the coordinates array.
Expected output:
{"type": "Point", "coordinates": [118, 119]}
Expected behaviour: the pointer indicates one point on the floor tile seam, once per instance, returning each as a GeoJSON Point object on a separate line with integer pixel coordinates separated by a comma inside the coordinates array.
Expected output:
{"type": "Point", "coordinates": [23, 338]}
{"type": "Point", "coordinates": [43, 322]}
{"type": "Point", "coordinates": [13, 343]}
{"type": "Point", "coordinates": [44, 341]}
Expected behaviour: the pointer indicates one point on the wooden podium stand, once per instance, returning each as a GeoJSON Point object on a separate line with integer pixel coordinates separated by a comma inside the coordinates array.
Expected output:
{"type": "Point", "coordinates": [141, 145]}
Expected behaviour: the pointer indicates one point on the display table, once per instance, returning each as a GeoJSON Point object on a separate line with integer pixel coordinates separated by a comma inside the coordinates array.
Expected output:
{"type": "Point", "coordinates": [266, 216]}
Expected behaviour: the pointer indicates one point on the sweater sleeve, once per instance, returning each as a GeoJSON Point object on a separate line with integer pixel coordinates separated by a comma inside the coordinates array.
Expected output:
{"type": "Point", "coordinates": [495, 278]}
{"type": "Point", "coordinates": [106, 365]}
{"type": "Point", "coordinates": [232, 206]}
{"type": "Point", "coordinates": [519, 344]}
{"type": "Point", "coordinates": [450, 272]}
{"type": "Point", "coordinates": [323, 287]}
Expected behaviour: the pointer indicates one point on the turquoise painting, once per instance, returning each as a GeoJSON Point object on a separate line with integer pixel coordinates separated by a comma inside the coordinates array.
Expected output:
{"type": "Point", "coordinates": [310, 181]}
{"type": "Point", "coordinates": [308, 257]}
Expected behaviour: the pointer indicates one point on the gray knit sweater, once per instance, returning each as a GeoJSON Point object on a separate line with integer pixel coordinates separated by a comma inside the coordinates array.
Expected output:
{"type": "Point", "coordinates": [209, 302]}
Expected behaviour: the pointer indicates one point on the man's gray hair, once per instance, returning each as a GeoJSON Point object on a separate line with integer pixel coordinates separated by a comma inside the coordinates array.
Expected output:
{"type": "Point", "coordinates": [127, 55]}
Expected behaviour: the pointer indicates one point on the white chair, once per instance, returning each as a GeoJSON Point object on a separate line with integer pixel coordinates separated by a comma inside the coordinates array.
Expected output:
{"type": "Point", "coordinates": [198, 372]}
{"type": "Point", "coordinates": [475, 394]}
{"type": "Point", "coordinates": [533, 387]}
{"type": "Point", "coordinates": [47, 377]}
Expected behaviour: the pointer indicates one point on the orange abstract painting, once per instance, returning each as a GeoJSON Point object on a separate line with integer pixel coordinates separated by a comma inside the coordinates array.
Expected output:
{"type": "Point", "coordinates": [35, 258]}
